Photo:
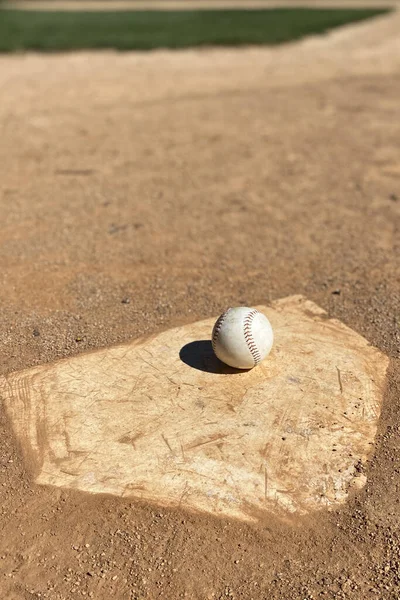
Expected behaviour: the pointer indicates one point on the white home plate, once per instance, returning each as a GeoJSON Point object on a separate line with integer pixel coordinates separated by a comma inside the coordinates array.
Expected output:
{"type": "Point", "coordinates": [161, 419]}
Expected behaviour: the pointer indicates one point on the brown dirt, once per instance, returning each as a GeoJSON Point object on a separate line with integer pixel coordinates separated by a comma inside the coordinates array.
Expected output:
{"type": "Point", "coordinates": [186, 4]}
{"type": "Point", "coordinates": [186, 182]}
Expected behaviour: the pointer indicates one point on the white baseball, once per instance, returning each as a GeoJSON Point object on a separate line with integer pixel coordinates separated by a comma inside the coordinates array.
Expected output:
{"type": "Point", "coordinates": [242, 337]}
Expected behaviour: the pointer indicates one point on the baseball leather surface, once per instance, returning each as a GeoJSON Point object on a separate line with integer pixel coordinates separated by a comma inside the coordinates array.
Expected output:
{"type": "Point", "coordinates": [242, 337]}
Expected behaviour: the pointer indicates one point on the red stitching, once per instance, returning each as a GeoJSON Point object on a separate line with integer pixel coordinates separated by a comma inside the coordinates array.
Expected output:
{"type": "Point", "coordinates": [217, 328]}
{"type": "Point", "coordinates": [248, 336]}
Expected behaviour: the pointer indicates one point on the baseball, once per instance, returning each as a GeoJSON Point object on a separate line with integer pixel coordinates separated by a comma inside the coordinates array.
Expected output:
{"type": "Point", "coordinates": [242, 337]}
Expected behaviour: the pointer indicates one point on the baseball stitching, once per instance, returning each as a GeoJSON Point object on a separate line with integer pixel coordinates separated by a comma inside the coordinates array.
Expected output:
{"type": "Point", "coordinates": [248, 336]}
{"type": "Point", "coordinates": [217, 328]}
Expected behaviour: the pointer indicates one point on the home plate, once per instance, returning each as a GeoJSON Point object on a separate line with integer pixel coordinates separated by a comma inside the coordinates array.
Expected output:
{"type": "Point", "coordinates": [162, 420]}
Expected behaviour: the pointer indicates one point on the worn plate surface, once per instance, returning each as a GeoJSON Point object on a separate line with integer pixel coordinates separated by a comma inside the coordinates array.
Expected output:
{"type": "Point", "coordinates": [161, 419]}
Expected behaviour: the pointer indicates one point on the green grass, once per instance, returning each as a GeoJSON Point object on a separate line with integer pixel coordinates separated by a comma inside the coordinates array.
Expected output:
{"type": "Point", "coordinates": [145, 30]}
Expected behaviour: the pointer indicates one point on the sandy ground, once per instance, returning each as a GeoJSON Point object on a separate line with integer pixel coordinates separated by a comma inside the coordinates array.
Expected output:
{"type": "Point", "coordinates": [141, 191]}
{"type": "Point", "coordinates": [87, 5]}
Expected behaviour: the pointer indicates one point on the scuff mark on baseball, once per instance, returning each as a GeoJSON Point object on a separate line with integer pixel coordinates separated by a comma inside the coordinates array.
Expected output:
{"type": "Point", "coordinates": [242, 337]}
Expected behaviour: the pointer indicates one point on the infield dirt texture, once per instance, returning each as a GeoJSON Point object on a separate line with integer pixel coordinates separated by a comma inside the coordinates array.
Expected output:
{"type": "Point", "coordinates": [141, 191]}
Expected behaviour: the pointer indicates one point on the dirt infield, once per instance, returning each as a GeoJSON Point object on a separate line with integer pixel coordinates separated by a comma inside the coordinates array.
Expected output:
{"type": "Point", "coordinates": [141, 191]}
{"type": "Point", "coordinates": [88, 5]}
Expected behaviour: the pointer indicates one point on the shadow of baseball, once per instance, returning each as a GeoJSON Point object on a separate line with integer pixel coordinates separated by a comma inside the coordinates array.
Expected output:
{"type": "Point", "coordinates": [200, 355]}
